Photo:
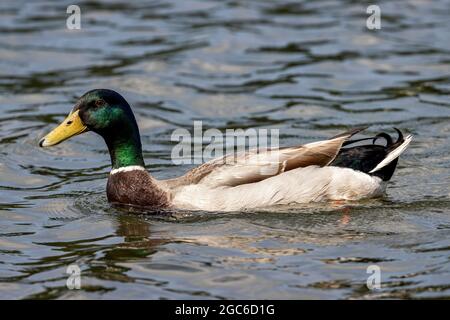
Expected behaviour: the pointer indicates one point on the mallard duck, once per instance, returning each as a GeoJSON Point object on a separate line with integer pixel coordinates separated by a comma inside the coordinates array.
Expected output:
{"type": "Point", "coordinates": [333, 169]}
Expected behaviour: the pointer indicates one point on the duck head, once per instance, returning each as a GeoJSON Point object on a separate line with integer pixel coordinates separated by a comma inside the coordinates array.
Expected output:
{"type": "Point", "coordinates": [108, 114]}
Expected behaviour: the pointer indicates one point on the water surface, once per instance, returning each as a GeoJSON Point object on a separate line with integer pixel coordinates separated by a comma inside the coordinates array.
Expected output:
{"type": "Point", "coordinates": [309, 68]}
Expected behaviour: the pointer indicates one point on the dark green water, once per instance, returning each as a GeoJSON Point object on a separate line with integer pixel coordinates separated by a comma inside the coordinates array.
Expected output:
{"type": "Point", "coordinates": [311, 69]}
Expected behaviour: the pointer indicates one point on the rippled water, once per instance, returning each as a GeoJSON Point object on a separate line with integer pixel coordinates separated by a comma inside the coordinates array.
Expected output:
{"type": "Point", "coordinates": [311, 69]}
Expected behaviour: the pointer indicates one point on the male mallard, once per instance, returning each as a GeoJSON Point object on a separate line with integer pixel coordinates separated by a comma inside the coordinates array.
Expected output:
{"type": "Point", "coordinates": [318, 171]}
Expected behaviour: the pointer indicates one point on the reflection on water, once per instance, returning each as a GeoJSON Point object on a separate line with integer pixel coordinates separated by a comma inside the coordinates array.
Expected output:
{"type": "Point", "coordinates": [311, 69]}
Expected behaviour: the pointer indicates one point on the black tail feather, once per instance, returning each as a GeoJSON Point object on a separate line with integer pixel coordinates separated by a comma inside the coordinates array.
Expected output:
{"type": "Point", "coordinates": [366, 157]}
{"type": "Point", "coordinates": [399, 141]}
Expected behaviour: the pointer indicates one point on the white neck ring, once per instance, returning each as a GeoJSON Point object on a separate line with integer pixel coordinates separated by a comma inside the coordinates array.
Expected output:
{"type": "Point", "coordinates": [126, 169]}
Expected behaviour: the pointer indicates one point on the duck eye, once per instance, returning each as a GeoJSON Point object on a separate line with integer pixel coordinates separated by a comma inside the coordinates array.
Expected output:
{"type": "Point", "coordinates": [99, 102]}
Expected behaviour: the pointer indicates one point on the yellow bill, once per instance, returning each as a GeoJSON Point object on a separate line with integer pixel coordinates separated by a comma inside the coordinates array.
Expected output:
{"type": "Point", "coordinates": [71, 126]}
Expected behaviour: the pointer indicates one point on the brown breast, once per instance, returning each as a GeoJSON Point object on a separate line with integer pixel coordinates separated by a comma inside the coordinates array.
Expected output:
{"type": "Point", "coordinates": [136, 187]}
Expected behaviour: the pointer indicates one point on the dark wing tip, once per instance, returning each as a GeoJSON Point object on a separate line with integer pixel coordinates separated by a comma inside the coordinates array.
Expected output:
{"type": "Point", "coordinates": [350, 132]}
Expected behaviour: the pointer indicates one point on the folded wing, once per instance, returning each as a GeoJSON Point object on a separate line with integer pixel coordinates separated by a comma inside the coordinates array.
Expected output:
{"type": "Point", "coordinates": [256, 165]}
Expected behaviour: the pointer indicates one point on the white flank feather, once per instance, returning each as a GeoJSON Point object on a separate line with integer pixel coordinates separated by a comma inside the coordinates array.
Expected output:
{"type": "Point", "coordinates": [394, 154]}
{"type": "Point", "coordinates": [301, 185]}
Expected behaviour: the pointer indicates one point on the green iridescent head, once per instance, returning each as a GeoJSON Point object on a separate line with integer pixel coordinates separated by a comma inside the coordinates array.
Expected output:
{"type": "Point", "coordinates": [108, 114]}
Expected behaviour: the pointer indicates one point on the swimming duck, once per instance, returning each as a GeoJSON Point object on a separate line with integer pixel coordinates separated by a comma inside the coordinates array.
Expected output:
{"type": "Point", "coordinates": [335, 169]}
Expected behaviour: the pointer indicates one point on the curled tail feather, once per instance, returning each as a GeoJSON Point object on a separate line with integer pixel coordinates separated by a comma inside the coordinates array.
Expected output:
{"type": "Point", "coordinates": [394, 150]}
{"type": "Point", "coordinates": [374, 159]}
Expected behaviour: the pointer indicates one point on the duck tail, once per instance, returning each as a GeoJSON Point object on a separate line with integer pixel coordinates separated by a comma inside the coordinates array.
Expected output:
{"type": "Point", "coordinates": [394, 150]}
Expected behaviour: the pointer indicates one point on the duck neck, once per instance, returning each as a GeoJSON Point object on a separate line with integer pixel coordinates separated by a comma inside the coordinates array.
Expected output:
{"type": "Point", "coordinates": [125, 148]}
